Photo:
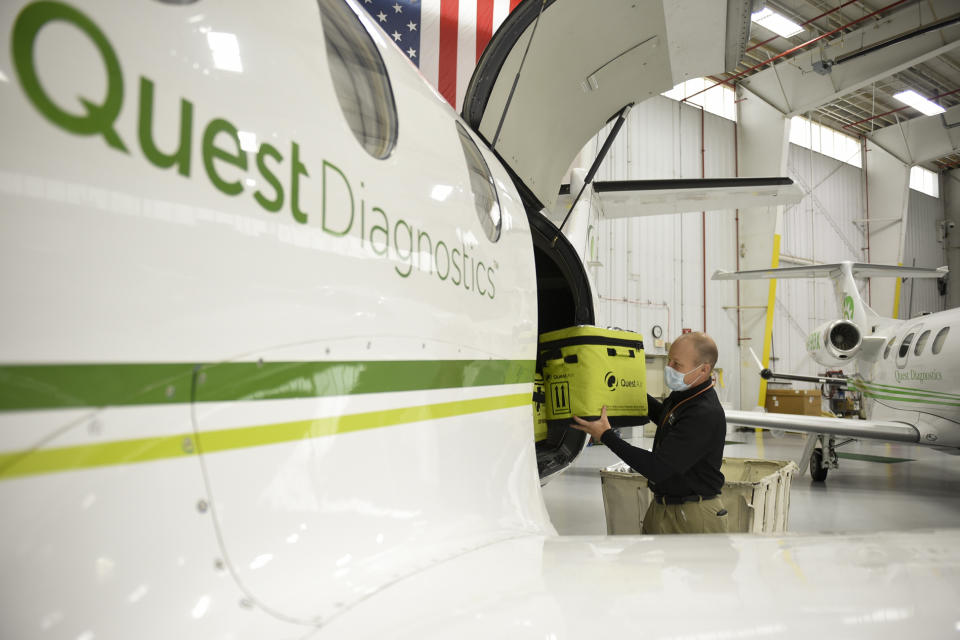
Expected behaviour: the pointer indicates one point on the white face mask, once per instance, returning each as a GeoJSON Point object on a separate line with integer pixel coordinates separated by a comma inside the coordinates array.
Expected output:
{"type": "Point", "coordinates": [674, 378]}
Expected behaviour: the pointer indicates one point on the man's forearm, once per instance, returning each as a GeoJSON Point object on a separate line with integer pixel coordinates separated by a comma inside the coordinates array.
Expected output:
{"type": "Point", "coordinates": [640, 460]}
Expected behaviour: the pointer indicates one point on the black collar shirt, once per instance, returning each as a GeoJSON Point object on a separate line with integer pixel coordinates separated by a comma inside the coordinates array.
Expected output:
{"type": "Point", "coordinates": [688, 448]}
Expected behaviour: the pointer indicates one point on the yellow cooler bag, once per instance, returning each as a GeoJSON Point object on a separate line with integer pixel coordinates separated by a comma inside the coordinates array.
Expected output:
{"type": "Point", "coordinates": [586, 367]}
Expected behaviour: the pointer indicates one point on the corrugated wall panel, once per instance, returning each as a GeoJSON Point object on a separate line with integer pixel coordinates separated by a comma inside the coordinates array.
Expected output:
{"type": "Point", "coordinates": [922, 248]}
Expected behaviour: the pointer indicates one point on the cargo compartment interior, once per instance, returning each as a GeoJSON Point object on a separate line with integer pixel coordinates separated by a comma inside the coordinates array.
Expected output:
{"type": "Point", "coordinates": [564, 299]}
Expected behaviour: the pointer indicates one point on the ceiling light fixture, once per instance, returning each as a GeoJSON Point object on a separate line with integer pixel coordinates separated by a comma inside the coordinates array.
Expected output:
{"type": "Point", "coordinates": [776, 23]}
{"type": "Point", "coordinates": [918, 102]}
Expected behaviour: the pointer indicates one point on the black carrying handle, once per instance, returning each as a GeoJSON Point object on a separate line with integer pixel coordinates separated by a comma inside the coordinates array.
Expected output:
{"type": "Point", "coordinates": [612, 351]}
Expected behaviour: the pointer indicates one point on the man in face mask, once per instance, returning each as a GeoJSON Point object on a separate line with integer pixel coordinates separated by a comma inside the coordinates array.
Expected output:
{"type": "Point", "coordinates": [683, 469]}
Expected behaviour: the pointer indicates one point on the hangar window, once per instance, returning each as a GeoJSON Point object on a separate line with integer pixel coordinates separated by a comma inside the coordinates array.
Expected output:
{"type": "Point", "coordinates": [905, 345]}
{"type": "Point", "coordinates": [921, 342]}
{"type": "Point", "coordinates": [939, 340]}
{"type": "Point", "coordinates": [886, 352]}
{"type": "Point", "coordinates": [359, 79]}
{"type": "Point", "coordinates": [481, 183]}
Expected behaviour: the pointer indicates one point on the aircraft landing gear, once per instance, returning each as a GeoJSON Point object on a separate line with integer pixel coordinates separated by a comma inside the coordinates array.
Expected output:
{"type": "Point", "coordinates": [823, 456]}
{"type": "Point", "coordinates": [817, 470]}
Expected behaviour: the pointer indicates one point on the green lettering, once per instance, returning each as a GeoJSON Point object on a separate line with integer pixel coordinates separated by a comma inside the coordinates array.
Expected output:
{"type": "Point", "coordinates": [493, 286]}
{"type": "Point", "coordinates": [180, 157]}
{"type": "Point", "coordinates": [429, 252]}
{"type": "Point", "coordinates": [476, 278]}
{"type": "Point", "coordinates": [276, 203]}
{"type": "Point", "coordinates": [236, 157]}
{"type": "Point", "coordinates": [408, 258]}
{"type": "Point", "coordinates": [456, 265]}
{"type": "Point", "coordinates": [326, 195]}
{"type": "Point", "coordinates": [436, 259]}
{"type": "Point", "coordinates": [296, 170]}
{"type": "Point", "coordinates": [98, 119]}
{"type": "Point", "coordinates": [385, 229]}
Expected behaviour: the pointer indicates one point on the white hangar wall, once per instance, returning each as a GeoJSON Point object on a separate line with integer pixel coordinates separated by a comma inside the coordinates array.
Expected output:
{"type": "Point", "coordinates": [923, 247]}
{"type": "Point", "coordinates": [649, 271]}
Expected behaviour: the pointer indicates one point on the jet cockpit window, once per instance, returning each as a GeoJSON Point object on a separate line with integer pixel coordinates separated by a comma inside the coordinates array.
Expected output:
{"type": "Point", "coordinates": [905, 345]}
{"type": "Point", "coordinates": [359, 79]}
{"type": "Point", "coordinates": [939, 340]}
{"type": "Point", "coordinates": [921, 342]}
{"type": "Point", "coordinates": [481, 182]}
{"type": "Point", "coordinates": [886, 352]}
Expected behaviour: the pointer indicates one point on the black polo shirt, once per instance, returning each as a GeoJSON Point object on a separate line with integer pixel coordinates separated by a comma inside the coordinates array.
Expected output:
{"type": "Point", "coordinates": [687, 450]}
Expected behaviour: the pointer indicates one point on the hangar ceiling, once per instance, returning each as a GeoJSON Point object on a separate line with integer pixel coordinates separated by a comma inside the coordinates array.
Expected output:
{"type": "Point", "coordinates": [851, 58]}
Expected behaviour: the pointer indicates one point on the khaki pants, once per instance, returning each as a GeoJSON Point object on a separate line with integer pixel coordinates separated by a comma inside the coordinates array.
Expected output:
{"type": "Point", "coordinates": [688, 517]}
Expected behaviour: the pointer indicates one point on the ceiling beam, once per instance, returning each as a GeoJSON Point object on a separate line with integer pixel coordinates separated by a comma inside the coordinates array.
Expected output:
{"type": "Point", "coordinates": [794, 88]}
{"type": "Point", "coordinates": [921, 139]}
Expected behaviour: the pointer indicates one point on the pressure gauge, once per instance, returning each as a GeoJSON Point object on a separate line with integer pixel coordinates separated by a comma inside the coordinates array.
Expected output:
{"type": "Point", "coordinates": [656, 332]}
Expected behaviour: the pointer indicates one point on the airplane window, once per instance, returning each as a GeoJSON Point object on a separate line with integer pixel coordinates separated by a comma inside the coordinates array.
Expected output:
{"type": "Point", "coordinates": [905, 345]}
{"type": "Point", "coordinates": [921, 341]}
{"type": "Point", "coordinates": [939, 340]}
{"type": "Point", "coordinates": [886, 352]}
{"type": "Point", "coordinates": [359, 79]}
{"type": "Point", "coordinates": [481, 182]}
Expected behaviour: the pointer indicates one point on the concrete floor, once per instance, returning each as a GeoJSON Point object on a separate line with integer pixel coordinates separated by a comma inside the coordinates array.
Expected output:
{"type": "Point", "coordinates": [861, 495]}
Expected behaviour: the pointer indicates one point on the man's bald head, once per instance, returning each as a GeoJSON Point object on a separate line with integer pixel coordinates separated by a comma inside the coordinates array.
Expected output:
{"type": "Point", "coordinates": [704, 348]}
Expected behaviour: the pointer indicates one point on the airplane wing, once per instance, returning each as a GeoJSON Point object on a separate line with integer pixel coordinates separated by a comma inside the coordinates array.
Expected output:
{"type": "Point", "coordinates": [861, 585]}
{"type": "Point", "coordinates": [632, 198]}
{"type": "Point", "coordinates": [868, 429]}
{"type": "Point", "coordinates": [861, 270]}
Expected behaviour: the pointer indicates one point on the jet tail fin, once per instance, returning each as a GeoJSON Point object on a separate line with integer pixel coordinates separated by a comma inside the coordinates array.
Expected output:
{"type": "Point", "coordinates": [850, 303]}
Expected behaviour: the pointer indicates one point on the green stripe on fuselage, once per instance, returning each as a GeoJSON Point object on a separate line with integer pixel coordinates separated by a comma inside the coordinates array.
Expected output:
{"type": "Point", "coordinates": [936, 402]}
{"type": "Point", "coordinates": [886, 388]}
{"type": "Point", "coordinates": [40, 461]}
{"type": "Point", "coordinates": [29, 387]}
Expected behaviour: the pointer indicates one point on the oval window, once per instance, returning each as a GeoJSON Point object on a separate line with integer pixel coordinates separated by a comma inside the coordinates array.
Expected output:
{"type": "Point", "coordinates": [939, 340]}
{"type": "Point", "coordinates": [905, 345]}
{"type": "Point", "coordinates": [886, 352]}
{"type": "Point", "coordinates": [359, 79]}
{"type": "Point", "coordinates": [481, 183]}
{"type": "Point", "coordinates": [921, 342]}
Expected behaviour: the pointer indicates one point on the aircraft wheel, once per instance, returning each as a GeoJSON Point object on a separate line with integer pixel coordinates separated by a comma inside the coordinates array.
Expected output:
{"type": "Point", "coordinates": [817, 471]}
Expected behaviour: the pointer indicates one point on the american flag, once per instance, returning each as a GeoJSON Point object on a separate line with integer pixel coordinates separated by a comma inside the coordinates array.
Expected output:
{"type": "Point", "coordinates": [444, 38]}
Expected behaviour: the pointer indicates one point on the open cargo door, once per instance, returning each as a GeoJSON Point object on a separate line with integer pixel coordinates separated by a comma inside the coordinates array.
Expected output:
{"type": "Point", "coordinates": [557, 70]}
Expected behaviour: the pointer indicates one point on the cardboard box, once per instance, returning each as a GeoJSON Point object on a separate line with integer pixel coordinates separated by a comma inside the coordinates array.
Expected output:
{"type": "Point", "coordinates": [804, 402]}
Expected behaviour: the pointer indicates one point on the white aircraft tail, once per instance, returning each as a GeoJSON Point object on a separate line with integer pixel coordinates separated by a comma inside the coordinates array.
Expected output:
{"type": "Point", "coordinates": [850, 303]}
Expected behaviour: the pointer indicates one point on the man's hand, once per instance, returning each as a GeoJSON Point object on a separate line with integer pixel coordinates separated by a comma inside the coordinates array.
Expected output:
{"type": "Point", "coordinates": [595, 428]}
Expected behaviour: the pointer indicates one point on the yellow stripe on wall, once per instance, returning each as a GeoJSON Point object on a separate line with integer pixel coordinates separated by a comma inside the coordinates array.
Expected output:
{"type": "Point", "coordinates": [896, 294]}
{"type": "Point", "coordinates": [768, 329]}
{"type": "Point", "coordinates": [39, 461]}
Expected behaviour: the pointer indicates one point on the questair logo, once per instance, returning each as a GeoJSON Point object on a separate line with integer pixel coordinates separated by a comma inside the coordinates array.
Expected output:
{"type": "Point", "coordinates": [610, 378]}
{"type": "Point", "coordinates": [335, 209]}
{"type": "Point", "coordinates": [848, 307]}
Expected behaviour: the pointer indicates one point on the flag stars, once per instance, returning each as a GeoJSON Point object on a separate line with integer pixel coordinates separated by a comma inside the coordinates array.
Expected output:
{"type": "Point", "coordinates": [411, 52]}
{"type": "Point", "coordinates": [412, 25]}
{"type": "Point", "coordinates": [382, 17]}
{"type": "Point", "coordinates": [397, 8]}
{"type": "Point", "coordinates": [396, 36]}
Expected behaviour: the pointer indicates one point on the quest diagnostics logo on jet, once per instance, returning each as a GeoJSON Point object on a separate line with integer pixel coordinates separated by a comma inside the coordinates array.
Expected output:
{"type": "Point", "coordinates": [337, 212]}
{"type": "Point", "coordinates": [918, 376]}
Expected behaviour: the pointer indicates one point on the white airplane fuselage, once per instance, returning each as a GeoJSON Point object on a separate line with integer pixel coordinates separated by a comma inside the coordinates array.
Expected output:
{"type": "Point", "coordinates": [919, 387]}
{"type": "Point", "coordinates": [177, 351]}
